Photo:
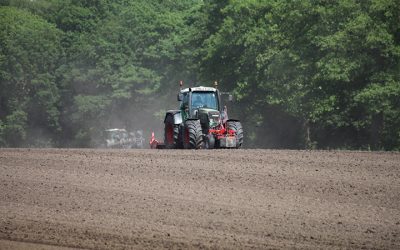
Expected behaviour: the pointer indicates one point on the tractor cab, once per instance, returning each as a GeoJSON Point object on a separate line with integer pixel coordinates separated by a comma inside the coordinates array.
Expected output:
{"type": "Point", "coordinates": [199, 100]}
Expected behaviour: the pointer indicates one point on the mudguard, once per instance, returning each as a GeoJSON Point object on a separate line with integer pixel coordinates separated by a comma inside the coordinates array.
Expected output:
{"type": "Point", "coordinates": [176, 114]}
{"type": "Point", "coordinates": [232, 120]}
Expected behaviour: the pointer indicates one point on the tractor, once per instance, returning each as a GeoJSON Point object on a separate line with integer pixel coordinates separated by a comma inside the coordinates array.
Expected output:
{"type": "Point", "coordinates": [120, 138]}
{"type": "Point", "coordinates": [201, 122]}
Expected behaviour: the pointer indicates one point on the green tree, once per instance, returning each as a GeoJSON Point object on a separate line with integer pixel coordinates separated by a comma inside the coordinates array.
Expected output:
{"type": "Point", "coordinates": [30, 53]}
{"type": "Point", "coordinates": [325, 64]}
{"type": "Point", "coordinates": [123, 65]}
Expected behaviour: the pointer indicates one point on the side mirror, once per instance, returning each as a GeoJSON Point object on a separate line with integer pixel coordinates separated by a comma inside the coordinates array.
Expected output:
{"type": "Point", "coordinates": [180, 97]}
{"type": "Point", "coordinates": [230, 98]}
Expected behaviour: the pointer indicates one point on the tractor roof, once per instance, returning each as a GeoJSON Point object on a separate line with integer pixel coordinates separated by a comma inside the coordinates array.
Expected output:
{"type": "Point", "coordinates": [201, 88]}
{"type": "Point", "coordinates": [115, 129]}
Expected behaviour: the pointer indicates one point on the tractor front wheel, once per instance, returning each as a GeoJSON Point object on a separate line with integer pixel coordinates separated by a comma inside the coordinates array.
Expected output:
{"type": "Point", "coordinates": [192, 135]}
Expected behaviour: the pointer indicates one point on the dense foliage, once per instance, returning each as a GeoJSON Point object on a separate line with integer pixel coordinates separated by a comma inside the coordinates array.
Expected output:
{"type": "Point", "coordinates": [305, 74]}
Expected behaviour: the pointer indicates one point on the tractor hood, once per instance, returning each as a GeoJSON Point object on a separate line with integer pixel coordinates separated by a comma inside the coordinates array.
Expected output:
{"type": "Point", "coordinates": [212, 116]}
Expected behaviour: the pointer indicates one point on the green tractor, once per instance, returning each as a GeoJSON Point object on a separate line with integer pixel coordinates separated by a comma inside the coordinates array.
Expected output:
{"type": "Point", "coordinates": [201, 122]}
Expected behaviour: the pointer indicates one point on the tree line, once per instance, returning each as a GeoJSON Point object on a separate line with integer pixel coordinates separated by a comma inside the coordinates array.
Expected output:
{"type": "Point", "coordinates": [305, 74]}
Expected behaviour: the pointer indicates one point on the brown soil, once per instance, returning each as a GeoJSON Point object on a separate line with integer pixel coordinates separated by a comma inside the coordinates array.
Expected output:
{"type": "Point", "coordinates": [233, 199]}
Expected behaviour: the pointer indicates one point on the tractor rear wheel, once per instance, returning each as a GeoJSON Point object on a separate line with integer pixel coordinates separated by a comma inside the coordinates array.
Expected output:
{"type": "Point", "coordinates": [192, 135]}
{"type": "Point", "coordinates": [171, 133]}
{"type": "Point", "coordinates": [237, 127]}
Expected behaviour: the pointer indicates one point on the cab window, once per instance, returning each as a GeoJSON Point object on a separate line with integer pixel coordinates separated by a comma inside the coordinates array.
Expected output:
{"type": "Point", "coordinates": [185, 101]}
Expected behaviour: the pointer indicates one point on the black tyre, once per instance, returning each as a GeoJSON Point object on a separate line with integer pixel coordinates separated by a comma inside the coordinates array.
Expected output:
{"type": "Point", "coordinates": [192, 135]}
{"type": "Point", "coordinates": [237, 127]}
{"type": "Point", "coordinates": [171, 133]}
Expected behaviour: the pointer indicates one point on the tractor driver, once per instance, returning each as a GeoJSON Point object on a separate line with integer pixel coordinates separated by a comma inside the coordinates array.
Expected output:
{"type": "Point", "coordinates": [197, 102]}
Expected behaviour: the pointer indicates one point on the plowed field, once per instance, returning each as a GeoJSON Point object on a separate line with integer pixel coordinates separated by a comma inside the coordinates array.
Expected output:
{"type": "Point", "coordinates": [179, 199]}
